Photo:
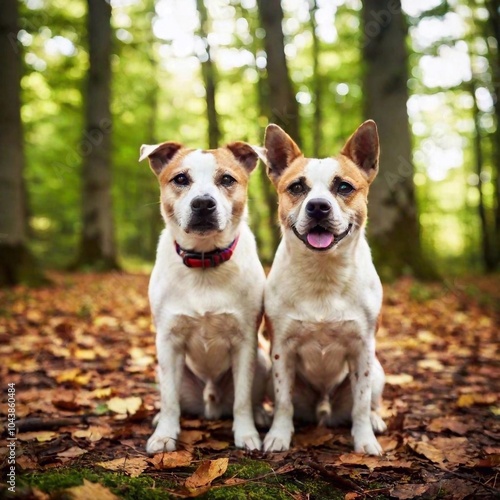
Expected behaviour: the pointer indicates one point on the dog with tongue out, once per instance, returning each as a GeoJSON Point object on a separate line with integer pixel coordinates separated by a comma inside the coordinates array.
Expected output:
{"type": "Point", "coordinates": [323, 296]}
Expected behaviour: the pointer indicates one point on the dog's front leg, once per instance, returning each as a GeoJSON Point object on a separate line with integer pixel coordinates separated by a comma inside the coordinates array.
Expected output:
{"type": "Point", "coordinates": [361, 365]}
{"type": "Point", "coordinates": [171, 364]}
{"type": "Point", "coordinates": [280, 435]}
{"type": "Point", "coordinates": [243, 365]}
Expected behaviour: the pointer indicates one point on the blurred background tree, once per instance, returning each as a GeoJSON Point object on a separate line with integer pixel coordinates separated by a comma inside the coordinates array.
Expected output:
{"type": "Point", "coordinates": [207, 72]}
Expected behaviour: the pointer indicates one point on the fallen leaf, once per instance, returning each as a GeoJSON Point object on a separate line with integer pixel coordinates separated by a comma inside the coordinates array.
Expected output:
{"type": "Point", "coordinates": [315, 437]}
{"type": "Point", "coordinates": [401, 379]}
{"type": "Point", "coordinates": [132, 466]}
{"type": "Point", "coordinates": [40, 436]}
{"type": "Point", "coordinates": [206, 473]}
{"type": "Point", "coordinates": [428, 451]}
{"type": "Point", "coordinates": [467, 400]}
{"type": "Point", "coordinates": [72, 452]}
{"type": "Point", "coordinates": [26, 463]}
{"type": "Point", "coordinates": [189, 437]}
{"type": "Point", "coordinates": [213, 444]}
{"type": "Point", "coordinates": [373, 463]}
{"type": "Point", "coordinates": [125, 405]}
{"type": "Point", "coordinates": [407, 491]}
{"type": "Point", "coordinates": [452, 424]}
{"type": "Point", "coordinates": [93, 434]}
{"type": "Point", "coordinates": [172, 459]}
{"type": "Point", "coordinates": [453, 449]}
{"type": "Point", "coordinates": [89, 490]}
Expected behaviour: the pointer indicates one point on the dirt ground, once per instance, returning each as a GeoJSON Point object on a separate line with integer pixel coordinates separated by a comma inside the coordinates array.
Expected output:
{"type": "Point", "coordinates": [80, 357]}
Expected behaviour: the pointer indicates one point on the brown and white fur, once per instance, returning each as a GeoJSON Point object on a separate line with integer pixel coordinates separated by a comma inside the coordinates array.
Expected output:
{"type": "Point", "coordinates": [323, 296]}
{"type": "Point", "coordinates": [206, 319]}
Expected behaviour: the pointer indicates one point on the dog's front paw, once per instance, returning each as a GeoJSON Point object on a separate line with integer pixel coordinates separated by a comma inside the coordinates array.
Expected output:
{"type": "Point", "coordinates": [366, 442]}
{"type": "Point", "coordinates": [378, 425]}
{"type": "Point", "coordinates": [163, 439]}
{"type": "Point", "coordinates": [277, 441]}
{"type": "Point", "coordinates": [247, 438]}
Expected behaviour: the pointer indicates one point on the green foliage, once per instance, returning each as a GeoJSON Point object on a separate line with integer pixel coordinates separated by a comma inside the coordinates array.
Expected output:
{"type": "Point", "coordinates": [158, 95]}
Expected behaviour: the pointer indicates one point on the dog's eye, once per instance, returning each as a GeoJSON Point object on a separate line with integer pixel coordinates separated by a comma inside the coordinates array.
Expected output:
{"type": "Point", "coordinates": [345, 188]}
{"type": "Point", "coordinates": [296, 188]}
{"type": "Point", "coordinates": [227, 180]}
{"type": "Point", "coordinates": [181, 180]}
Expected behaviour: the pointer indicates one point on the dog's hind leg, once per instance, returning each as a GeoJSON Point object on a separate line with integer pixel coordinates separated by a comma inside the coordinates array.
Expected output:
{"type": "Point", "coordinates": [260, 388]}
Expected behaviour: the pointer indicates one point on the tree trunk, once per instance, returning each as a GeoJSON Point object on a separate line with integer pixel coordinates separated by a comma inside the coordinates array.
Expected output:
{"type": "Point", "coordinates": [284, 106]}
{"type": "Point", "coordinates": [488, 261]}
{"type": "Point", "coordinates": [317, 125]}
{"type": "Point", "coordinates": [494, 28]}
{"type": "Point", "coordinates": [209, 79]}
{"type": "Point", "coordinates": [393, 228]}
{"type": "Point", "coordinates": [97, 246]}
{"type": "Point", "coordinates": [17, 265]}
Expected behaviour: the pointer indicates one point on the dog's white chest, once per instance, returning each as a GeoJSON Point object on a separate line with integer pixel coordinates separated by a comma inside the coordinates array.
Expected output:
{"type": "Point", "coordinates": [321, 355]}
{"type": "Point", "coordinates": [208, 339]}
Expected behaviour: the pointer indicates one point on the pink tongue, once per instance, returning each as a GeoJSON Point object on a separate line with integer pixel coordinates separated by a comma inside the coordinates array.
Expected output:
{"type": "Point", "coordinates": [320, 240]}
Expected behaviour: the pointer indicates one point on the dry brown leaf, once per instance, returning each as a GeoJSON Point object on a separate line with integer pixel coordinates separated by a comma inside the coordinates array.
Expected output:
{"type": "Point", "coordinates": [131, 466]}
{"type": "Point", "coordinates": [453, 449]}
{"type": "Point", "coordinates": [26, 462]}
{"type": "Point", "coordinates": [407, 491]}
{"type": "Point", "coordinates": [206, 473]}
{"type": "Point", "coordinates": [428, 451]}
{"type": "Point", "coordinates": [125, 405]}
{"type": "Point", "coordinates": [89, 490]}
{"type": "Point", "coordinates": [72, 452]}
{"type": "Point", "coordinates": [315, 437]}
{"type": "Point", "coordinates": [213, 444]}
{"type": "Point", "coordinates": [189, 437]}
{"type": "Point", "coordinates": [93, 434]}
{"type": "Point", "coordinates": [173, 459]}
{"type": "Point", "coordinates": [467, 400]}
{"type": "Point", "coordinates": [452, 424]}
{"type": "Point", "coordinates": [373, 462]}
{"type": "Point", "coordinates": [40, 436]}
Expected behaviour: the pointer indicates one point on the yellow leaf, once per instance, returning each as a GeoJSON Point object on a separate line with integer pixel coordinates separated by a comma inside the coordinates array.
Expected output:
{"type": "Point", "coordinates": [206, 473]}
{"type": "Point", "coordinates": [131, 466]}
{"type": "Point", "coordinates": [125, 405]}
{"type": "Point", "coordinates": [40, 436]}
{"type": "Point", "coordinates": [89, 490]}
{"type": "Point", "coordinates": [401, 379]}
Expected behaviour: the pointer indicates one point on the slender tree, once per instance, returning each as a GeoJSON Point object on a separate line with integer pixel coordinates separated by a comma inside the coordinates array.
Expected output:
{"type": "Point", "coordinates": [394, 225]}
{"type": "Point", "coordinates": [209, 78]}
{"type": "Point", "coordinates": [283, 105]}
{"type": "Point", "coordinates": [97, 245]}
{"type": "Point", "coordinates": [317, 125]}
{"type": "Point", "coordinates": [17, 265]}
{"type": "Point", "coordinates": [494, 60]}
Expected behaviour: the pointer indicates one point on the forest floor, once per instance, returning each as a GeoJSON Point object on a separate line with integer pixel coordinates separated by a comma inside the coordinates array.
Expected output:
{"type": "Point", "coordinates": [82, 357]}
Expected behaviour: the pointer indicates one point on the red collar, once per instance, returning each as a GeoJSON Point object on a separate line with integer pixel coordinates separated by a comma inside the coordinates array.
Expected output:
{"type": "Point", "coordinates": [204, 260]}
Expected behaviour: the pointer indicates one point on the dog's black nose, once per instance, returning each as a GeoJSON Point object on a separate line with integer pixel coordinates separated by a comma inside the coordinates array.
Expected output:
{"type": "Point", "coordinates": [318, 208]}
{"type": "Point", "coordinates": [203, 205]}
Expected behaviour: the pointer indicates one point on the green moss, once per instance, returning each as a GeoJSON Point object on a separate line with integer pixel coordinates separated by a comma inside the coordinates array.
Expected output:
{"type": "Point", "coordinates": [144, 487]}
{"type": "Point", "coordinates": [248, 469]}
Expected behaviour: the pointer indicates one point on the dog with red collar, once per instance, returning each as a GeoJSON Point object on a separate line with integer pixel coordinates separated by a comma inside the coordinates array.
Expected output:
{"type": "Point", "coordinates": [206, 292]}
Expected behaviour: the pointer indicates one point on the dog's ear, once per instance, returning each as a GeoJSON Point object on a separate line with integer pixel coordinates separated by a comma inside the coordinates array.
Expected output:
{"type": "Point", "coordinates": [281, 151]}
{"type": "Point", "coordinates": [363, 149]}
{"type": "Point", "coordinates": [245, 154]}
{"type": "Point", "coordinates": [159, 155]}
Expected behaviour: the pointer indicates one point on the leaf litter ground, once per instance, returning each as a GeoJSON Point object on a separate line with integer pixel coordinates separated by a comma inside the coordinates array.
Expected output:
{"type": "Point", "coordinates": [82, 357]}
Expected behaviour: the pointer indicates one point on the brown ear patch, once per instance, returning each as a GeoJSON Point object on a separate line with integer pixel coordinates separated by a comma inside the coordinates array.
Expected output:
{"type": "Point", "coordinates": [159, 155]}
{"type": "Point", "coordinates": [281, 151]}
{"type": "Point", "coordinates": [245, 154]}
{"type": "Point", "coordinates": [363, 149]}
